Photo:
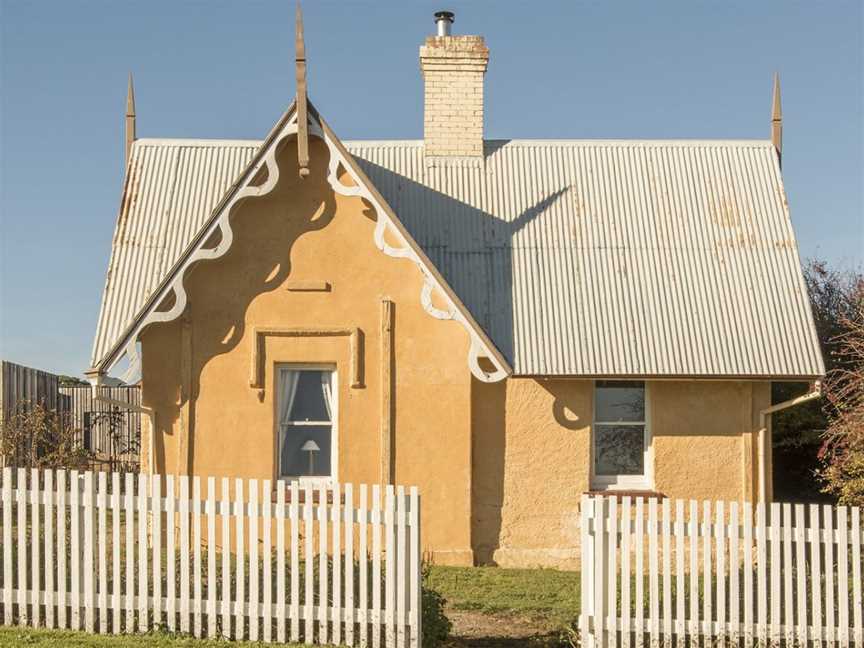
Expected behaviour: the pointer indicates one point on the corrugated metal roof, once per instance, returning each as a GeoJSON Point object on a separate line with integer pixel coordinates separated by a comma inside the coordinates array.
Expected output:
{"type": "Point", "coordinates": [650, 258]}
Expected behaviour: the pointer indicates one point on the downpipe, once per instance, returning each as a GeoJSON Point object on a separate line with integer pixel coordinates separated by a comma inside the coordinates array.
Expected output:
{"type": "Point", "coordinates": [815, 392]}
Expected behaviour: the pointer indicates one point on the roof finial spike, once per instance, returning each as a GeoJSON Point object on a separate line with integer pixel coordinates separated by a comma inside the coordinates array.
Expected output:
{"type": "Point", "coordinates": [777, 118]}
{"type": "Point", "coordinates": [302, 124]}
{"type": "Point", "coordinates": [130, 118]}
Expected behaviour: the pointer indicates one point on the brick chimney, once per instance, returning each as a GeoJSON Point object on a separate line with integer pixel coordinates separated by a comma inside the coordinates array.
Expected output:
{"type": "Point", "coordinates": [453, 68]}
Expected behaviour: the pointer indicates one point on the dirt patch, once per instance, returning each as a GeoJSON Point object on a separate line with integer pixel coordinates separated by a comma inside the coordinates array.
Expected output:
{"type": "Point", "coordinates": [479, 630]}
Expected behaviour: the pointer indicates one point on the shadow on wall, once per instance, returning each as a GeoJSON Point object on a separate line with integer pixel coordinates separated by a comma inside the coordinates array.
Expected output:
{"type": "Point", "coordinates": [472, 248]}
{"type": "Point", "coordinates": [258, 261]}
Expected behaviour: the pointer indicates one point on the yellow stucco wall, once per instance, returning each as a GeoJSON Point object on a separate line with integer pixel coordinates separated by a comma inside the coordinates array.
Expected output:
{"type": "Point", "coordinates": [501, 467]}
{"type": "Point", "coordinates": [198, 381]}
{"type": "Point", "coordinates": [532, 450]}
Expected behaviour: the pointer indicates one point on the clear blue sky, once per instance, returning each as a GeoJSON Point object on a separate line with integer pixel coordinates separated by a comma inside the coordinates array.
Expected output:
{"type": "Point", "coordinates": [223, 69]}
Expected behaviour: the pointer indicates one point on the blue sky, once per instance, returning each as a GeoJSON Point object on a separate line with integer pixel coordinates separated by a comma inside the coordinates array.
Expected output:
{"type": "Point", "coordinates": [222, 69]}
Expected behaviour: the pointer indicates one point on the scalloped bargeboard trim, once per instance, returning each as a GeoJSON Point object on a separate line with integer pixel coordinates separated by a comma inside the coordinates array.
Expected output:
{"type": "Point", "coordinates": [478, 348]}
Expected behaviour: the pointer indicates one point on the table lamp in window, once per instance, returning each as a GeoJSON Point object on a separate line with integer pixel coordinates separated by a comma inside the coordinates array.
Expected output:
{"type": "Point", "coordinates": [311, 447]}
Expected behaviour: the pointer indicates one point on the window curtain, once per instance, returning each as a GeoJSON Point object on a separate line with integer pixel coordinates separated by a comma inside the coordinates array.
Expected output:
{"type": "Point", "coordinates": [327, 388]}
{"type": "Point", "coordinates": [287, 391]}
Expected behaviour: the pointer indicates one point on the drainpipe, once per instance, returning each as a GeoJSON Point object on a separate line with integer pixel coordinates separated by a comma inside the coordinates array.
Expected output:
{"type": "Point", "coordinates": [815, 392]}
{"type": "Point", "coordinates": [96, 382]}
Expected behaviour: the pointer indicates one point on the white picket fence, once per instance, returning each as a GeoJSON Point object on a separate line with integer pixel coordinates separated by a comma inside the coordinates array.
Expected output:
{"type": "Point", "coordinates": [719, 571]}
{"type": "Point", "coordinates": [111, 553]}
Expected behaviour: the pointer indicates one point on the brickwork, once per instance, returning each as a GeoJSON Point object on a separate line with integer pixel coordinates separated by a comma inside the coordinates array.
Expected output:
{"type": "Point", "coordinates": [453, 69]}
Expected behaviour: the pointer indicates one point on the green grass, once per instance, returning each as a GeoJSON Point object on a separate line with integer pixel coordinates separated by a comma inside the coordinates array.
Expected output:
{"type": "Point", "coordinates": [546, 593]}
{"type": "Point", "coordinates": [50, 638]}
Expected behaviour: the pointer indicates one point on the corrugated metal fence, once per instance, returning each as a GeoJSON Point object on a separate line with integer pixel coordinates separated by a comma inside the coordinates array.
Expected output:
{"type": "Point", "coordinates": [21, 387]}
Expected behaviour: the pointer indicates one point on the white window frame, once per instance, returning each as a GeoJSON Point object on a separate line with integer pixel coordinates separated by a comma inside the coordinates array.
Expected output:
{"type": "Point", "coordinates": [334, 423]}
{"type": "Point", "coordinates": [644, 481]}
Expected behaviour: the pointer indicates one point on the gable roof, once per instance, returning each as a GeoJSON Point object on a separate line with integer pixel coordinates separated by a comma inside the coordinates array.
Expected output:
{"type": "Point", "coordinates": [170, 293]}
{"type": "Point", "coordinates": [592, 258]}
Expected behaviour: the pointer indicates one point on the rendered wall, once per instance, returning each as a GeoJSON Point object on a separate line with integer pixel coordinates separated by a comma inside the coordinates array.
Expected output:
{"type": "Point", "coordinates": [196, 371]}
{"type": "Point", "coordinates": [532, 458]}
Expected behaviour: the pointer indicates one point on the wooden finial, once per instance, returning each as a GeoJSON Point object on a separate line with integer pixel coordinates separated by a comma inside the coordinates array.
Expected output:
{"type": "Point", "coordinates": [302, 124]}
{"type": "Point", "coordinates": [777, 118]}
{"type": "Point", "coordinates": [130, 118]}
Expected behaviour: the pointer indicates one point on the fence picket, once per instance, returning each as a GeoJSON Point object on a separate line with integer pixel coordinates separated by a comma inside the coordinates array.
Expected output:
{"type": "Point", "coordinates": [336, 522]}
{"type": "Point", "coordinates": [390, 575]}
{"type": "Point", "coordinates": [401, 572]}
{"type": "Point", "coordinates": [226, 590]}
{"type": "Point", "coordinates": [87, 546]}
{"type": "Point", "coordinates": [734, 583]}
{"type": "Point", "coordinates": [143, 607]}
{"type": "Point", "coordinates": [101, 604]}
{"type": "Point", "coordinates": [266, 579]}
{"type": "Point", "coordinates": [116, 577]}
{"type": "Point", "coordinates": [349, 564]}
{"type": "Point", "coordinates": [184, 553]}
{"type": "Point", "coordinates": [599, 603]}
{"type": "Point", "coordinates": [816, 576]}
{"type": "Point", "coordinates": [295, 562]}
{"type": "Point", "coordinates": [843, 575]}
{"type": "Point", "coordinates": [49, 549]}
{"type": "Point", "coordinates": [211, 557]}
{"type": "Point", "coordinates": [666, 514]}
{"type": "Point", "coordinates": [61, 549]}
{"type": "Point", "coordinates": [156, 524]}
{"type": "Point", "coordinates": [774, 571]}
{"type": "Point", "coordinates": [102, 505]}
{"type": "Point", "coordinates": [376, 566]}
{"type": "Point", "coordinates": [640, 571]}
{"type": "Point", "coordinates": [761, 574]}
{"type": "Point", "coordinates": [720, 580]}
{"type": "Point", "coordinates": [707, 612]}
{"type": "Point", "coordinates": [8, 584]}
{"type": "Point", "coordinates": [612, 565]}
{"type": "Point", "coordinates": [196, 554]}
{"type": "Point", "coordinates": [35, 555]}
{"type": "Point", "coordinates": [363, 569]}
{"type": "Point", "coordinates": [322, 566]}
{"type": "Point", "coordinates": [747, 569]}
{"type": "Point", "coordinates": [828, 536]}
{"type": "Point", "coordinates": [694, 569]}
{"type": "Point", "coordinates": [240, 560]}
{"type": "Point", "coordinates": [253, 560]}
{"type": "Point", "coordinates": [21, 547]}
{"type": "Point", "coordinates": [801, 573]}
{"type": "Point", "coordinates": [625, 570]}
{"type": "Point", "coordinates": [308, 559]}
{"type": "Point", "coordinates": [130, 552]}
{"type": "Point", "coordinates": [680, 529]}
{"type": "Point", "coordinates": [416, 576]}
{"type": "Point", "coordinates": [170, 553]}
{"type": "Point", "coordinates": [788, 594]}
{"type": "Point", "coordinates": [858, 634]}
{"type": "Point", "coordinates": [653, 571]}
{"type": "Point", "coordinates": [280, 561]}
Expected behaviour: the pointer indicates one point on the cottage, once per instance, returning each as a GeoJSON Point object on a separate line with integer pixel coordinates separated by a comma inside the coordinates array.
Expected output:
{"type": "Point", "coordinates": [505, 323]}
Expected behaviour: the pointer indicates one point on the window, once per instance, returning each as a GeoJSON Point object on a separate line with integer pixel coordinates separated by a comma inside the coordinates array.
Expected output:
{"type": "Point", "coordinates": [306, 412]}
{"type": "Point", "coordinates": [621, 446]}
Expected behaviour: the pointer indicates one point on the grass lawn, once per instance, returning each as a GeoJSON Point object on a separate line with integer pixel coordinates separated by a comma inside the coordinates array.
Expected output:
{"type": "Point", "coordinates": [540, 593]}
{"type": "Point", "coordinates": [29, 637]}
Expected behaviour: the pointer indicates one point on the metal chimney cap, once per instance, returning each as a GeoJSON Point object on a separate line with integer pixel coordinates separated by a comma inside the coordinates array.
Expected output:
{"type": "Point", "coordinates": [444, 19]}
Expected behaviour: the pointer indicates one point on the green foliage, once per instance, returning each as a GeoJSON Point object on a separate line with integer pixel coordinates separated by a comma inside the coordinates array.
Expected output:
{"type": "Point", "coordinates": [70, 381]}
{"type": "Point", "coordinates": [798, 432]}
{"type": "Point", "coordinates": [10, 637]}
{"type": "Point", "coordinates": [842, 454]}
{"type": "Point", "coordinates": [546, 593]}
{"type": "Point", "coordinates": [36, 437]}
{"type": "Point", "coordinates": [436, 625]}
